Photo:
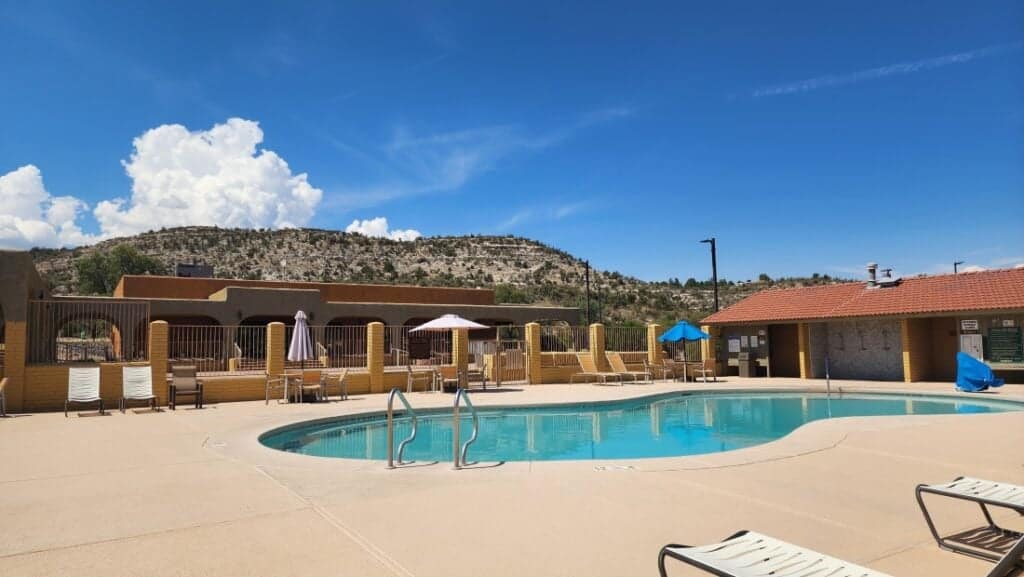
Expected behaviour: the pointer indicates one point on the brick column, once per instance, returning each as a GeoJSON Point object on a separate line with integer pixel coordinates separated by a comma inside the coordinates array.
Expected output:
{"type": "Point", "coordinates": [653, 346]}
{"type": "Point", "coordinates": [275, 348]}
{"type": "Point", "coordinates": [460, 353]}
{"type": "Point", "coordinates": [375, 356]}
{"type": "Point", "coordinates": [158, 358]}
{"type": "Point", "coordinates": [597, 347]}
{"type": "Point", "coordinates": [709, 346]}
{"type": "Point", "coordinates": [16, 352]}
{"type": "Point", "coordinates": [533, 352]}
{"type": "Point", "coordinates": [803, 333]}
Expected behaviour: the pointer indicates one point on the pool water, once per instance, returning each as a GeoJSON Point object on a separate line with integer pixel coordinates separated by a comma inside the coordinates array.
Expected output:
{"type": "Point", "coordinates": [680, 424]}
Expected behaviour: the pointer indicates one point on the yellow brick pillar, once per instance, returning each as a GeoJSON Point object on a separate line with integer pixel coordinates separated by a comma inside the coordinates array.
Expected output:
{"type": "Point", "coordinates": [533, 354]}
{"type": "Point", "coordinates": [597, 347]}
{"type": "Point", "coordinates": [375, 356]}
{"type": "Point", "coordinates": [158, 358]}
{"type": "Point", "coordinates": [275, 348]}
{"type": "Point", "coordinates": [908, 357]}
{"type": "Point", "coordinates": [460, 353]}
{"type": "Point", "coordinates": [803, 338]}
{"type": "Point", "coordinates": [709, 346]}
{"type": "Point", "coordinates": [18, 391]}
{"type": "Point", "coordinates": [653, 346]}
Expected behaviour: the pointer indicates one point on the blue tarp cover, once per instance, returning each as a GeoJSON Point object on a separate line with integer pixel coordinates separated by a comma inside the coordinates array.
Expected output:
{"type": "Point", "coordinates": [973, 375]}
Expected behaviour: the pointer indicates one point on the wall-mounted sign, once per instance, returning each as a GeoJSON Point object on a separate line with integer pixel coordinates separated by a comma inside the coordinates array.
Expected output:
{"type": "Point", "coordinates": [1009, 322]}
{"type": "Point", "coordinates": [734, 345]}
{"type": "Point", "coordinates": [969, 325]}
{"type": "Point", "coordinates": [744, 341]}
{"type": "Point", "coordinates": [762, 332]}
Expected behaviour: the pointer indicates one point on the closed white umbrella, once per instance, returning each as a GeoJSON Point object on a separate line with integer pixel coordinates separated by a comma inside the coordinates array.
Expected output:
{"type": "Point", "coordinates": [447, 323]}
{"type": "Point", "coordinates": [301, 347]}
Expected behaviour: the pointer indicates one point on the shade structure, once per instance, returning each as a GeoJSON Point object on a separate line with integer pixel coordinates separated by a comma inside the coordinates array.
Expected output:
{"type": "Point", "coordinates": [301, 347]}
{"type": "Point", "coordinates": [447, 323]}
{"type": "Point", "coordinates": [683, 331]}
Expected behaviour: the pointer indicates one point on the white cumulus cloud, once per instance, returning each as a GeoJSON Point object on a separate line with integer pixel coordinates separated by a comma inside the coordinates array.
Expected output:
{"type": "Point", "coordinates": [379, 227]}
{"type": "Point", "coordinates": [31, 217]}
{"type": "Point", "coordinates": [208, 177]}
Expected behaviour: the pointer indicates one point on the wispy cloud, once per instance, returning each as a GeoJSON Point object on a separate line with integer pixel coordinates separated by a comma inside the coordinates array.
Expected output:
{"type": "Point", "coordinates": [898, 69]}
{"type": "Point", "coordinates": [553, 212]}
{"type": "Point", "coordinates": [414, 164]}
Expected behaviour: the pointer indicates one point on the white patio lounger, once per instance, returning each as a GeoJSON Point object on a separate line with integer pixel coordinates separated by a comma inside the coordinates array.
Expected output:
{"type": "Point", "coordinates": [749, 554]}
{"type": "Point", "coordinates": [83, 387]}
{"type": "Point", "coordinates": [137, 385]}
{"type": "Point", "coordinates": [989, 542]}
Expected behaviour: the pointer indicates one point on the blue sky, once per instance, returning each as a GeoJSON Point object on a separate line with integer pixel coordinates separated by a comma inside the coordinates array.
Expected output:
{"type": "Point", "coordinates": [805, 136]}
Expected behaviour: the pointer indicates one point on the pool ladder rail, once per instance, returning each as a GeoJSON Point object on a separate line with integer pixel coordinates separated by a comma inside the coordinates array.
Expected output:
{"type": "Point", "coordinates": [396, 392]}
{"type": "Point", "coordinates": [458, 453]}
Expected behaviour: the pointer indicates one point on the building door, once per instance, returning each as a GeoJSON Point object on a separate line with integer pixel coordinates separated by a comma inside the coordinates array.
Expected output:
{"type": "Point", "coordinates": [972, 345]}
{"type": "Point", "coordinates": [783, 351]}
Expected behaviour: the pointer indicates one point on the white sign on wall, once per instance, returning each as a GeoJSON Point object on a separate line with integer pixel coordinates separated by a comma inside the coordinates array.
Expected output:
{"type": "Point", "coordinates": [969, 325]}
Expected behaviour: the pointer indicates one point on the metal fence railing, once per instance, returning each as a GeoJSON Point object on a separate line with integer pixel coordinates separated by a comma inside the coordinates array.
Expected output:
{"type": "Point", "coordinates": [403, 348]}
{"type": "Point", "coordinates": [87, 330]}
{"type": "Point", "coordinates": [218, 349]}
{"type": "Point", "coordinates": [556, 338]}
{"type": "Point", "coordinates": [628, 339]}
{"type": "Point", "coordinates": [340, 345]}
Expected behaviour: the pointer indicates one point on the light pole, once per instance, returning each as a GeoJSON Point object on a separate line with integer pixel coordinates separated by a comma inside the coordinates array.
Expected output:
{"type": "Point", "coordinates": [956, 265]}
{"type": "Point", "coordinates": [714, 268]}
{"type": "Point", "coordinates": [587, 263]}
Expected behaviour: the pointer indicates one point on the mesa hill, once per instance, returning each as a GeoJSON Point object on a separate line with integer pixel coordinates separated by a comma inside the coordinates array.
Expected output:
{"type": "Point", "coordinates": [519, 269]}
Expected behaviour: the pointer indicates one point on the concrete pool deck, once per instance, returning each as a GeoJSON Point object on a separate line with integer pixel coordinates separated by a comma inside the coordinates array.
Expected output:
{"type": "Point", "coordinates": [191, 492]}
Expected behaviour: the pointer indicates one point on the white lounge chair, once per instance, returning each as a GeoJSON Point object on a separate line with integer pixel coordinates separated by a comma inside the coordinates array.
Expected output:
{"type": "Point", "coordinates": [989, 542]}
{"type": "Point", "coordinates": [137, 385]}
{"type": "Point", "coordinates": [749, 554]}
{"type": "Point", "coordinates": [83, 387]}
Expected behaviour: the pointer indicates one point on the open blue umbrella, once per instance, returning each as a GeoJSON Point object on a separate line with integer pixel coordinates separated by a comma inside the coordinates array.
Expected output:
{"type": "Point", "coordinates": [683, 331]}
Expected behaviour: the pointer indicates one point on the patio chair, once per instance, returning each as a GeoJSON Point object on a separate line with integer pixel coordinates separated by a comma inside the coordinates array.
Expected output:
{"type": "Point", "coordinates": [663, 371]}
{"type": "Point", "coordinates": [704, 370]}
{"type": "Point", "coordinates": [312, 380]}
{"type": "Point", "coordinates": [137, 385]}
{"type": "Point", "coordinates": [476, 372]}
{"type": "Point", "coordinates": [83, 387]}
{"type": "Point", "coordinates": [989, 542]}
{"type": "Point", "coordinates": [184, 382]}
{"type": "Point", "coordinates": [619, 366]}
{"type": "Point", "coordinates": [589, 370]}
{"type": "Point", "coordinates": [342, 384]}
{"type": "Point", "coordinates": [3, 397]}
{"type": "Point", "coordinates": [427, 377]}
{"type": "Point", "coordinates": [749, 554]}
{"type": "Point", "coordinates": [274, 383]}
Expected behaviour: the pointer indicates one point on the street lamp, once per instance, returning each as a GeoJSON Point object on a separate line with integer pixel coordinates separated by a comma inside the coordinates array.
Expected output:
{"type": "Point", "coordinates": [587, 263]}
{"type": "Point", "coordinates": [956, 265]}
{"type": "Point", "coordinates": [714, 268]}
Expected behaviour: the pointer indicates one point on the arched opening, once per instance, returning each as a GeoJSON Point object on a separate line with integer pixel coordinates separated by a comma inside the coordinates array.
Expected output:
{"type": "Point", "coordinates": [491, 333]}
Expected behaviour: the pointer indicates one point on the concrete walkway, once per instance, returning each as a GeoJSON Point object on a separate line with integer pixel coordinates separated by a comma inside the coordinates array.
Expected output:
{"type": "Point", "coordinates": [193, 493]}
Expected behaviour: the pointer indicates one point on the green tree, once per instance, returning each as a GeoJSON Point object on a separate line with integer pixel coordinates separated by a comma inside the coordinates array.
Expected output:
{"type": "Point", "coordinates": [99, 273]}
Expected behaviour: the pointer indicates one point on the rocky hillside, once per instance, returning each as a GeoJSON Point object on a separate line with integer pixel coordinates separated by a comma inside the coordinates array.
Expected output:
{"type": "Point", "coordinates": [521, 270]}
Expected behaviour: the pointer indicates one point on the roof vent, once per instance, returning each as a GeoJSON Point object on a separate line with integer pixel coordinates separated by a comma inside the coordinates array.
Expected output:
{"type": "Point", "coordinates": [872, 274]}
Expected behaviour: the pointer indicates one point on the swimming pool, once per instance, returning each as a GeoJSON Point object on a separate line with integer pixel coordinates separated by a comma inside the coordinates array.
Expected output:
{"type": "Point", "coordinates": [670, 425]}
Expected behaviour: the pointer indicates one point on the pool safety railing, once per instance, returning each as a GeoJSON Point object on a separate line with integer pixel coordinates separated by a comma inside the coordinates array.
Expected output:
{"type": "Point", "coordinates": [459, 454]}
{"type": "Point", "coordinates": [391, 427]}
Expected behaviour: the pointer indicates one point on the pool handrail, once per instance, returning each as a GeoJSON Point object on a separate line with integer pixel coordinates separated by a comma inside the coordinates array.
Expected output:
{"type": "Point", "coordinates": [459, 456]}
{"type": "Point", "coordinates": [396, 392]}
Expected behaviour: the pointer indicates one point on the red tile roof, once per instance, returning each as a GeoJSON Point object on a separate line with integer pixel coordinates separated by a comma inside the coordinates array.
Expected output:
{"type": "Point", "coordinates": [970, 291]}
